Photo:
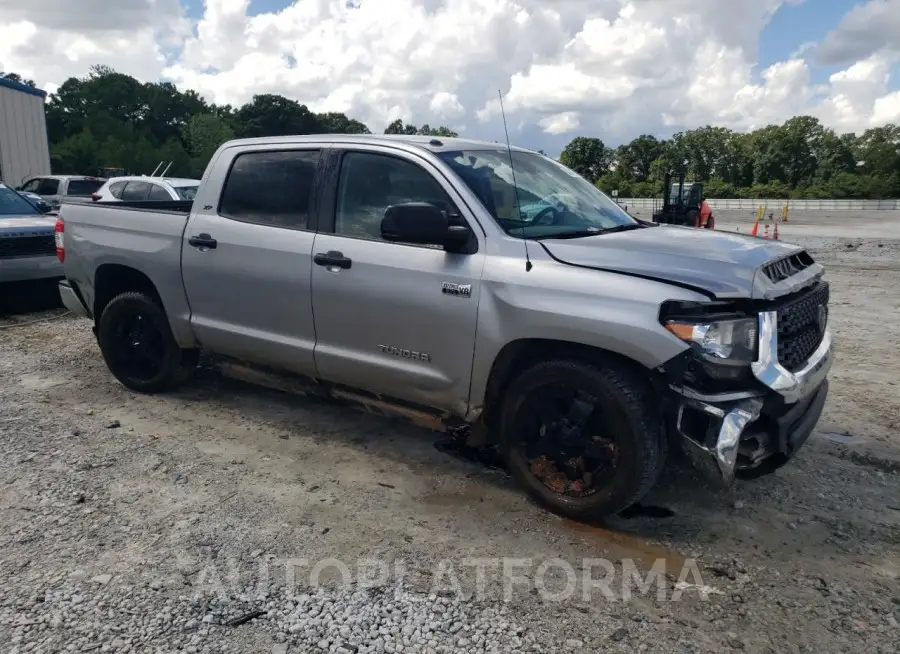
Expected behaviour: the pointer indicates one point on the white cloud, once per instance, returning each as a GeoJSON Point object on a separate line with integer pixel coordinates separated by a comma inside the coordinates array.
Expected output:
{"type": "Point", "coordinates": [614, 68]}
{"type": "Point", "coordinates": [563, 123]}
{"type": "Point", "coordinates": [858, 97]}
{"type": "Point", "coordinates": [52, 40]}
{"type": "Point", "coordinates": [868, 28]}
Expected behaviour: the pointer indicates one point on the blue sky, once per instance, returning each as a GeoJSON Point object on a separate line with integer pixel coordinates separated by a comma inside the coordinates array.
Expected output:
{"type": "Point", "coordinates": [794, 25]}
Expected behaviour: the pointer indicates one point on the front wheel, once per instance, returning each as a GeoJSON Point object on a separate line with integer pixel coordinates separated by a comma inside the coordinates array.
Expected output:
{"type": "Point", "coordinates": [138, 346]}
{"type": "Point", "coordinates": [585, 441]}
{"type": "Point", "coordinates": [710, 223]}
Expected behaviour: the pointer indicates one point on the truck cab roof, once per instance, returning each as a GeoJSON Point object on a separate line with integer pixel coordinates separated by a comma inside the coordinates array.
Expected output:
{"type": "Point", "coordinates": [428, 143]}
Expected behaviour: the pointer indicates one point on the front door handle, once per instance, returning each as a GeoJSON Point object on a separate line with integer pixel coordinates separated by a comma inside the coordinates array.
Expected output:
{"type": "Point", "coordinates": [332, 258]}
{"type": "Point", "coordinates": [203, 241]}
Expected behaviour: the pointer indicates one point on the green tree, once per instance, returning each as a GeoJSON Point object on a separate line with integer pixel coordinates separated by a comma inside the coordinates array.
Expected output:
{"type": "Point", "coordinates": [635, 159]}
{"type": "Point", "coordinates": [204, 133]}
{"type": "Point", "coordinates": [335, 123]}
{"type": "Point", "coordinates": [15, 77]}
{"type": "Point", "coordinates": [588, 157]}
{"type": "Point", "coordinates": [274, 115]}
{"type": "Point", "coordinates": [397, 127]}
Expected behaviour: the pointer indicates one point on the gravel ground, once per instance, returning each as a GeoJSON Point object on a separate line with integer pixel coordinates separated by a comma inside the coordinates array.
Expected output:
{"type": "Point", "coordinates": [226, 518]}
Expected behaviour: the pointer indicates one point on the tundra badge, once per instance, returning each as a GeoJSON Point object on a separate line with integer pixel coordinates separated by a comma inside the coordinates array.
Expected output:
{"type": "Point", "coordinates": [406, 354]}
{"type": "Point", "coordinates": [463, 290]}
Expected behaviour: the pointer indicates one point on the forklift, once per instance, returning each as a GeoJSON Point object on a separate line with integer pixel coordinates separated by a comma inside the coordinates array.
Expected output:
{"type": "Point", "coordinates": [682, 204]}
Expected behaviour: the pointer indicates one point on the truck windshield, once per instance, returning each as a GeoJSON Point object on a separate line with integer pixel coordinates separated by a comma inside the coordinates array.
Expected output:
{"type": "Point", "coordinates": [13, 204]}
{"type": "Point", "coordinates": [552, 200]}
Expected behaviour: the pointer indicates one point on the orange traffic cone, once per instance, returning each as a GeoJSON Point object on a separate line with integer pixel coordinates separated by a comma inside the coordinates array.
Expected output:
{"type": "Point", "coordinates": [755, 228]}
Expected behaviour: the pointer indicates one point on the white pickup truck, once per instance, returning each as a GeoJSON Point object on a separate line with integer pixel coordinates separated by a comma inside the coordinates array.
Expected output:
{"type": "Point", "coordinates": [401, 274]}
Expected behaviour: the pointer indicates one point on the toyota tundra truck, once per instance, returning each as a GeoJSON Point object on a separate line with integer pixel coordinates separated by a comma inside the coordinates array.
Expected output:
{"type": "Point", "coordinates": [400, 273]}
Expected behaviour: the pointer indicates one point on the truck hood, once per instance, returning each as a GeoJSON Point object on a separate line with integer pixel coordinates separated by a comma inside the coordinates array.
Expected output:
{"type": "Point", "coordinates": [16, 226]}
{"type": "Point", "coordinates": [720, 264]}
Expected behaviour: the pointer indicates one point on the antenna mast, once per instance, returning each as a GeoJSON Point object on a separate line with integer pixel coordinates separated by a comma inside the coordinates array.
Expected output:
{"type": "Point", "coordinates": [515, 185]}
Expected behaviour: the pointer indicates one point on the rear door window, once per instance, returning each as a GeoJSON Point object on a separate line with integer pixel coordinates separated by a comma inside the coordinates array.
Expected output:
{"type": "Point", "coordinates": [271, 188]}
{"type": "Point", "coordinates": [48, 187]}
{"type": "Point", "coordinates": [32, 186]}
{"type": "Point", "coordinates": [83, 187]}
{"type": "Point", "coordinates": [136, 192]}
{"type": "Point", "coordinates": [158, 193]}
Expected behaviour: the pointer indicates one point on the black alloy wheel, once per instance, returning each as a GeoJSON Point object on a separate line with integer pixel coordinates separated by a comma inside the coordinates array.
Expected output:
{"type": "Point", "coordinates": [585, 441]}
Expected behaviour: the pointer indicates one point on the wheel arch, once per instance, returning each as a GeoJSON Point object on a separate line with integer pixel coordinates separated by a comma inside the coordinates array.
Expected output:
{"type": "Point", "coordinates": [517, 355]}
{"type": "Point", "coordinates": [112, 278]}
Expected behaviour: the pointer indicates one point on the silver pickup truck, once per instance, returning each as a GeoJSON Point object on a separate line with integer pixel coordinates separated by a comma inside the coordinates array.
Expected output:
{"type": "Point", "coordinates": [400, 274]}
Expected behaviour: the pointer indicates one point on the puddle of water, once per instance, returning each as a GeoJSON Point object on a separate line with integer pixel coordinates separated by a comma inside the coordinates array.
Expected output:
{"type": "Point", "coordinates": [621, 545]}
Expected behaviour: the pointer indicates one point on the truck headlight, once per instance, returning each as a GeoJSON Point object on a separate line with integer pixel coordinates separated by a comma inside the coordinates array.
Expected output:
{"type": "Point", "coordinates": [725, 341]}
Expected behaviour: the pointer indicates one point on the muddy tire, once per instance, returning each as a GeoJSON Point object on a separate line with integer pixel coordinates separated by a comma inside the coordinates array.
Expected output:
{"type": "Point", "coordinates": [138, 346]}
{"type": "Point", "coordinates": [624, 425]}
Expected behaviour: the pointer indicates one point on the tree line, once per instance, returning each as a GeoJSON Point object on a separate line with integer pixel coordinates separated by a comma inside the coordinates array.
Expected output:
{"type": "Point", "coordinates": [798, 159]}
{"type": "Point", "coordinates": [110, 123]}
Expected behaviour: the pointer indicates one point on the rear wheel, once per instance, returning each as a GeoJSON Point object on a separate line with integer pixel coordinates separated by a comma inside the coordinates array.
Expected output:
{"type": "Point", "coordinates": [138, 346]}
{"type": "Point", "coordinates": [693, 218]}
{"type": "Point", "coordinates": [584, 441]}
{"type": "Point", "coordinates": [710, 222]}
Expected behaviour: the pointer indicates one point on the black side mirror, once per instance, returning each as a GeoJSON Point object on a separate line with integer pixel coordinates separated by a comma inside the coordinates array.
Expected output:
{"type": "Point", "coordinates": [424, 224]}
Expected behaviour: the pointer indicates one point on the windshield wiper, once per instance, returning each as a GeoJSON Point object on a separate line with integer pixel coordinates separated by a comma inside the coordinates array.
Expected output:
{"type": "Point", "coordinates": [592, 231]}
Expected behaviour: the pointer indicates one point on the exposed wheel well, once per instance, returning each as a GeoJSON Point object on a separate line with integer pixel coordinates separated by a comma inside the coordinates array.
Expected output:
{"type": "Point", "coordinates": [519, 355]}
{"type": "Point", "coordinates": [112, 279]}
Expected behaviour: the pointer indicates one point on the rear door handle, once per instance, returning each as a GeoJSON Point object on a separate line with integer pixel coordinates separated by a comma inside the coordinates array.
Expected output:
{"type": "Point", "coordinates": [332, 258]}
{"type": "Point", "coordinates": [203, 241]}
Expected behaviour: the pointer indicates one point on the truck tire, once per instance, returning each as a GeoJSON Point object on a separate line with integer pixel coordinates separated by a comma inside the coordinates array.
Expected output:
{"type": "Point", "coordinates": [631, 434]}
{"type": "Point", "coordinates": [710, 223]}
{"type": "Point", "coordinates": [693, 218]}
{"type": "Point", "coordinates": [138, 346]}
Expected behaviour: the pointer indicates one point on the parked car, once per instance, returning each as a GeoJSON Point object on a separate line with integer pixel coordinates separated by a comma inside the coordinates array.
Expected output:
{"type": "Point", "coordinates": [56, 189]}
{"type": "Point", "coordinates": [40, 203]}
{"type": "Point", "coordinates": [141, 188]}
{"type": "Point", "coordinates": [386, 271]}
{"type": "Point", "coordinates": [27, 242]}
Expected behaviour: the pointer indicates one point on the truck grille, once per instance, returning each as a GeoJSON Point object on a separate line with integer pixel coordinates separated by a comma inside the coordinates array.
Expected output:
{"type": "Point", "coordinates": [801, 326]}
{"type": "Point", "coordinates": [27, 246]}
{"type": "Point", "coordinates": [780, 270]}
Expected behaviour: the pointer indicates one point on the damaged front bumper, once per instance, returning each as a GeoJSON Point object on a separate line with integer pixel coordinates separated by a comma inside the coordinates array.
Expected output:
{"type": "Point", "coordinates": [754, 432]}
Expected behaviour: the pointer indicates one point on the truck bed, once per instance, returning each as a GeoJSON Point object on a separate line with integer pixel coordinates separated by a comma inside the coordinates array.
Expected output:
{"type": "Point", "coordinates": [146, 237]}
{"type": "Point", "coordinates": [166, 206]}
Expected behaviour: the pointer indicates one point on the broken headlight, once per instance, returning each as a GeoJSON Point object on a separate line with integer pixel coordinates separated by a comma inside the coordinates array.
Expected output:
{"type": "Point", "coordinates": [725, 341]}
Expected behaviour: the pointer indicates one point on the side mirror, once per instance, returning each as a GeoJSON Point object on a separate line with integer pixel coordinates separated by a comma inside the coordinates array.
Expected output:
{"type": "Point", "coordinates": [424, 224]}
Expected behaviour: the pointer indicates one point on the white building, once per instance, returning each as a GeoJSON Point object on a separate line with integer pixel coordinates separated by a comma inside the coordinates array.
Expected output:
{"type": "Point", "coordinates": [24, 151]}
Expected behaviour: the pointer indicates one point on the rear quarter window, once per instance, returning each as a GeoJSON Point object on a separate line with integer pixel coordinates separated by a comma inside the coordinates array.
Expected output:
{"type": "Point", "coordinates": [116, 189]}
{"type": "Point", "coordinates": [81, 187]}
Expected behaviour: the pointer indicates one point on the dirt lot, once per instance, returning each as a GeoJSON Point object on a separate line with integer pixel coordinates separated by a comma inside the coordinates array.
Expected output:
{"type": "Point", "coordinates": [136, 523]}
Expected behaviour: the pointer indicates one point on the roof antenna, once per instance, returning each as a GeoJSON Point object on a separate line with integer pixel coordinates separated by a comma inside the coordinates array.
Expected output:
{"type": "Point", "coordinates": [515, 186]}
